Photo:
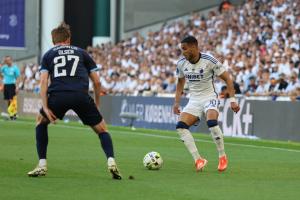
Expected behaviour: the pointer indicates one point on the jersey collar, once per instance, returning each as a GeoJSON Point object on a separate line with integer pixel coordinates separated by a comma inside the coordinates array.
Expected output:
{"type": "Point", "coordinates": [197, 60]}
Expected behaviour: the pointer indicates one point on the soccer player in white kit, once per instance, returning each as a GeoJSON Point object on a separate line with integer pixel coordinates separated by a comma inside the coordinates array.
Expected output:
{"type": "Point", "coordinates": [198, 70]}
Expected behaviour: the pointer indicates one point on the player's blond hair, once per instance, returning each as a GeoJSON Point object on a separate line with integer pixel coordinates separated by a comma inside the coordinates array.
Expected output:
{"type": "Point", "coordinates": [61, 33]}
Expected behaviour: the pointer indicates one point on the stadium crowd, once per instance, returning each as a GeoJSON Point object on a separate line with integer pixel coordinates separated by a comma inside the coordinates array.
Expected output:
{"type": "Point", "coordinates": [258, 42]}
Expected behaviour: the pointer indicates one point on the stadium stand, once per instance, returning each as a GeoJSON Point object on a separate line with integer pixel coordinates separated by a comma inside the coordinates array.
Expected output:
{"type": "Point", "coordinates": [258, 42]}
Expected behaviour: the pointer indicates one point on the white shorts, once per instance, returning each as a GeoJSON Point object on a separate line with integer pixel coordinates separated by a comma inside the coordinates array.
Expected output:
{"type": "Point", "coordinates": [201, 106]}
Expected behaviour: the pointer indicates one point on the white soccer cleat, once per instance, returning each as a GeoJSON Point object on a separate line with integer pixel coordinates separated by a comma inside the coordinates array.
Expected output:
{"type": "Point", "coordinates": [38, 171]}
{"type": "Point", "coordinates": [113, 169]}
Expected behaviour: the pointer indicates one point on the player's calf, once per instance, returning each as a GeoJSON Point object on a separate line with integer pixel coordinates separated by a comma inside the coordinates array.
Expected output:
{"type": "Point", "coordinates": [188, 140]}
{"type": "Point", "coordinates": [217, 136]}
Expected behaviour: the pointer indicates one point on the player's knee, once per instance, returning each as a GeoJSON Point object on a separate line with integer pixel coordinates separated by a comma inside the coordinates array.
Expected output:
{"type": "Point", "coordinates": [182, 125]}
{"type": "Point", "coordinates": [212, 123]}
{"type": "Point", "coordinates": [40, 119]}
{"type": "Point", "coordinates": [100, 128]}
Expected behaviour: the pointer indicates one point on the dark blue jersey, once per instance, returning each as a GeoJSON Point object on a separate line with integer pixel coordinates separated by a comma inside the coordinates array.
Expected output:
{"type": "Point", "coordinates": [68, 68]}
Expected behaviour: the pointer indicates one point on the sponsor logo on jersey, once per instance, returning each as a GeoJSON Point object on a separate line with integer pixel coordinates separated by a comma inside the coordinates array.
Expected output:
{"type": "Point", "coordinates": [193, 76]}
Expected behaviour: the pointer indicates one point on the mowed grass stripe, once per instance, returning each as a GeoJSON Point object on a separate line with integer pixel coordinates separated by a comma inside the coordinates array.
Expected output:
{"type": "Point", "coordinates": [157, 135]}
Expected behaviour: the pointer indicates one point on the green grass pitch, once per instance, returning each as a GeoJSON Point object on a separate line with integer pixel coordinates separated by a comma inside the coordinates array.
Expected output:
{"type": "Point", "coordinates": [258, 169]}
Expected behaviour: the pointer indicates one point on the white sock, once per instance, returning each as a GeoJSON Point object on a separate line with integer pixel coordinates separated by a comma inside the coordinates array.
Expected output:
{"type": "Point", "coordinates": [42, 162]}
{"type": "Point", "coordinates": [111, 161]}
{"type": "Point", "coordinates": [217, 136]}
{"type": "Point", "coordinates": [189, 142]}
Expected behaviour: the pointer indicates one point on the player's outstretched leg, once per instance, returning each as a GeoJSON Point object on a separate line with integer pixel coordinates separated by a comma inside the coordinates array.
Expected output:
{"type": "Point", "coordinates": [217, 136]}
{"type": "Point", "coordinates": [107, 146]}
{"type": "Point", "coordinates": [41, 131]}
{"type": "Point", "coordinates": [188, 140]}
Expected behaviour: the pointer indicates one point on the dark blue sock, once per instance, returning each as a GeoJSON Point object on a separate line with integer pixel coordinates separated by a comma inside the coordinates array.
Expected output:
{"type": "Point", "coordinates": [41, 133]}
{"type": "Point", "coordinates": [106, 144]}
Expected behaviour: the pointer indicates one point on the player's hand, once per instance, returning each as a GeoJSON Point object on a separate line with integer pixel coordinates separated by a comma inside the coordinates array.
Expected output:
{"type": "Point", "coordinates": [235, 107]}
{"type": "Point", "coordinates": [176, 109]}
{"type": "Point", "coordinates": [50, 115]}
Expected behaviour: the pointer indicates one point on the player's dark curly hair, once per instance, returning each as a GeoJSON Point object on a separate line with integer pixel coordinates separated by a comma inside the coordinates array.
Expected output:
{"type": "Point", "coordinates": [190, 40]}
{"type": "Point", "coordinates": [61, 33]}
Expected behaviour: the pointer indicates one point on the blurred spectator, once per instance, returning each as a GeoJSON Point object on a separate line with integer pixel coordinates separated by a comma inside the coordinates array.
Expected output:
{"type": "Point", "coordinates": [236, 86]}
{"type": "Point", "coordinates": [142, 86]}
{"type": "Point", "coordinates": [224, 92]}
{"type": "Point", "coordinates": [272, 86]}
{"type": "Point", "coordinates": [171, 84]}
{"type": "Point", "coordinates": [262, 88]}
{"type": "Point", "coordinates": [282, 85]}
{"type": "Point", "coordinates": [156, 86]}
{"type": "Point", "coordinates": [225, 6]}
{"type": "Point", "coordinates": [293, 83]}
{"type": "Point", "coordinates": [258, 39]}
{"type": "Point", "coordinates": [107, 84]}
{"type": "Point", "coordinates": [251, 89]}
{"type": "Point", "coordinates": [295, 95]}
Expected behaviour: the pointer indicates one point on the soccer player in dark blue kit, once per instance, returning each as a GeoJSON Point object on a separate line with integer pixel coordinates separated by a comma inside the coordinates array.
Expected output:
{"type": "Point", "coordinates": [69, 69]}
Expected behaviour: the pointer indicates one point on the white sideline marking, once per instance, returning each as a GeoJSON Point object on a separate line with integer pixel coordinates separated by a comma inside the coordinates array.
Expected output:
{"type": "Point", "coordinates": [166, 137]}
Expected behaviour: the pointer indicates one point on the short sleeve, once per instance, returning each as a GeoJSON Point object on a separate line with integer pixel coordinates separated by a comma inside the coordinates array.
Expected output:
{"type": "Point", "coordinates": [218, 68]}
{"type": "Point", "coordinates": [44, 64]}
{"type": "Point", "coordinates": [89, 62]}
{"type": "Point", "coordinates": [179, 72]}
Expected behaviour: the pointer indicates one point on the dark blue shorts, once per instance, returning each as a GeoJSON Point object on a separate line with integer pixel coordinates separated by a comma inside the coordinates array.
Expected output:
{"type": "Point", "coordinates": [81, 103]}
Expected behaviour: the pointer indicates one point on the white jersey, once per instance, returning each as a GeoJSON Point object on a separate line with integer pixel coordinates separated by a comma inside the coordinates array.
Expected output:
{"type": "Point", "coordinates": [200, 76]}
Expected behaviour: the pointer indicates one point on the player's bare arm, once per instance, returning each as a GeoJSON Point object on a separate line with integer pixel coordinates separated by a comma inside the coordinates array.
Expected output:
{"type": "Point", "coordinates": [179, 89]}
{"type": "Point", "coordinates": [234, 105]}
{"type": "Point", "coordinates": [97, 87]}
{"type": "Point", "coordinates": [44, 97]}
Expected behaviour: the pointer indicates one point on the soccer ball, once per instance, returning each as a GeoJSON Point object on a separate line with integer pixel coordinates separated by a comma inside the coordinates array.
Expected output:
{"type": "Point", "coordinates": [153, 161]}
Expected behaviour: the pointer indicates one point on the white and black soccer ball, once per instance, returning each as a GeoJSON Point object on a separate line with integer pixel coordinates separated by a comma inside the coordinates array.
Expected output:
{"type": "Point", "coordinates": [153, 161]}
